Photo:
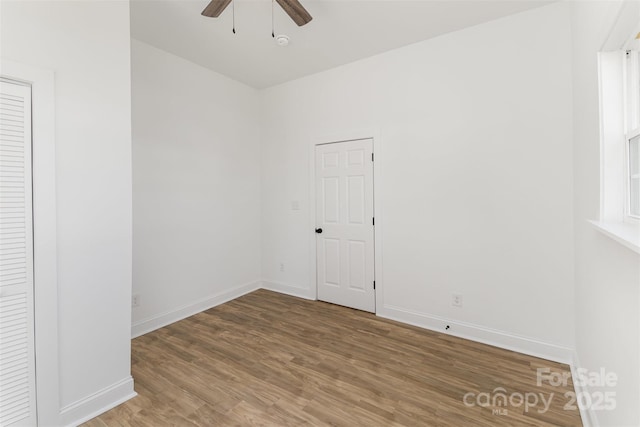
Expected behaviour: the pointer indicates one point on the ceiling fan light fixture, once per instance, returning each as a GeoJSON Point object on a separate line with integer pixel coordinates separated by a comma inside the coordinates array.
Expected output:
{"type": "Point", "coordinates": [282, 40]}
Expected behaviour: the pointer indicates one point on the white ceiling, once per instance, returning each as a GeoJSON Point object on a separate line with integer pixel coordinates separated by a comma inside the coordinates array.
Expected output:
{"type": "Point", "coordinates": [341, 31]}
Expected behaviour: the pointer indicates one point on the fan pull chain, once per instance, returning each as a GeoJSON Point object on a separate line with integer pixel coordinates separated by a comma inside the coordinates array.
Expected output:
{"type": "Point", "coordinates": [233, 6]}
{"type": "Point", "coordinates": [273, 33]}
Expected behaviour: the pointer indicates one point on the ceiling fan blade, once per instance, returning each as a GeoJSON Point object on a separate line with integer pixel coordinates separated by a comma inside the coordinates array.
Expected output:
{"type": "Point", "coordinates": [215, 8]}
{"type": "Point", "coordinates": [296, 11]}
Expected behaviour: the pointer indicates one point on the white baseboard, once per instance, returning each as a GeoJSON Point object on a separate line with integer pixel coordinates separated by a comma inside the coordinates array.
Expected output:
{"type": "Point", "coordinates": [91, 406]}
{"type": "Point", "coordinates": [151, 324]}
{"type": "Point", "coordinates": [480, 334]}
{"type": "Point", "coordinates": [287, 289]}
{"type": "Point", "coordinates": [588, 415]}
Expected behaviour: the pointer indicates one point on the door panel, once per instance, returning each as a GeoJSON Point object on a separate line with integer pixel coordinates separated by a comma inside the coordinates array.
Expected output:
{"type": "Point", "coordinates": [357, 264]}
{"type": "Point", "coordinates": [332, 261]}
{"type": "Point", "coordinates": [356, 200]}
{"type": "Point", "coordinates": [344, 212]}
{"type": "Point", "coordinates": [331, 197]}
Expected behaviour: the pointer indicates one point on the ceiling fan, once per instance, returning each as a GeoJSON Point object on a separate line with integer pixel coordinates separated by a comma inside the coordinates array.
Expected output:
{"type": "Point", "coordinates": [293, 8]}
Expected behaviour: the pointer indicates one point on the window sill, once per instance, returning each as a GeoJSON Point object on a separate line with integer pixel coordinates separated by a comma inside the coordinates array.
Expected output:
{"type": "Point", "coordinates": [626, 234]}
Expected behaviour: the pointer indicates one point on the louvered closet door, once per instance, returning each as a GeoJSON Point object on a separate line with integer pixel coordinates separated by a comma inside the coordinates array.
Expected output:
{"type": "Point", "coordinates": [17, 354]}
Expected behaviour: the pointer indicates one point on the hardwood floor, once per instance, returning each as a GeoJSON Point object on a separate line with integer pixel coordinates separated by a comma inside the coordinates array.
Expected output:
{"type": "Point", "coordinates": [275, 360]}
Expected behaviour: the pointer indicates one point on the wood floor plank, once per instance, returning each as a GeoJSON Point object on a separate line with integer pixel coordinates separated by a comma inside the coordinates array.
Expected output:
{"type": "Point", "coordinates": [267, 359]}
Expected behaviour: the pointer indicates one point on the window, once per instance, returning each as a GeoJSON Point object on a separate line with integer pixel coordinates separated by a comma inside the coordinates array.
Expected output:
{"type": "Point", "coordinates": [619, 72]}
{"type": "Point", "coordinates": [632, 132]}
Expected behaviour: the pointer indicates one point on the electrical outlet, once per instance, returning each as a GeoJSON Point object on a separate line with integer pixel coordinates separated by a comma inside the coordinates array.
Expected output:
{"type": "Point", "coordinates": [456, 300]}
{"type": "Point", "coordinates": [135, 300]}
{"type": "Point", "coordinates": [282, 267]}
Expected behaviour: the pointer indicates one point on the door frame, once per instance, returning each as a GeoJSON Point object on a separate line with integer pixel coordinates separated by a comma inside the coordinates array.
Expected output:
{"type": "Point", "coordinates": [336, 137]}
{"type": "Point", "coordinates": [45, 287]}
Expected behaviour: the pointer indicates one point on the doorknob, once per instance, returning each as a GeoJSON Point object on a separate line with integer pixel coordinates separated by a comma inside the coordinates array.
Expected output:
{"type": "Point", "coordinates": [318, 230]}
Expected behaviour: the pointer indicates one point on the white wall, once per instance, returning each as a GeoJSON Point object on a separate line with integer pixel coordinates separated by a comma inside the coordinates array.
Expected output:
{"type": "Point", "coordinates": [607, 274]}
{"type": "Point", "coordinates": [476, 181]}
{"type": "Point", "coordinates": [196, 188]}
{"type": "Point", "coordinates": [86, 44]}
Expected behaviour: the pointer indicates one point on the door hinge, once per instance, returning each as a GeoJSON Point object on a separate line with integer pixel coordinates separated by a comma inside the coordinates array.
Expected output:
{"type": "Point", "coordinates": [372, 157]}
{"type": "Point", "coordinates": [374, 284]}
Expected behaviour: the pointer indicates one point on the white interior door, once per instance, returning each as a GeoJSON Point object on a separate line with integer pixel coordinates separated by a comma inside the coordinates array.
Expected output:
{"type": "Point", "coordinates": [17, 354]}
{"type": "Point", "coordinates": [345, 224]}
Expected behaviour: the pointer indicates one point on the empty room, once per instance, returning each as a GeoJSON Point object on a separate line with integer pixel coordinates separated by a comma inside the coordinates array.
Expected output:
{"type": "Point", "coordinates": [319, 212]}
